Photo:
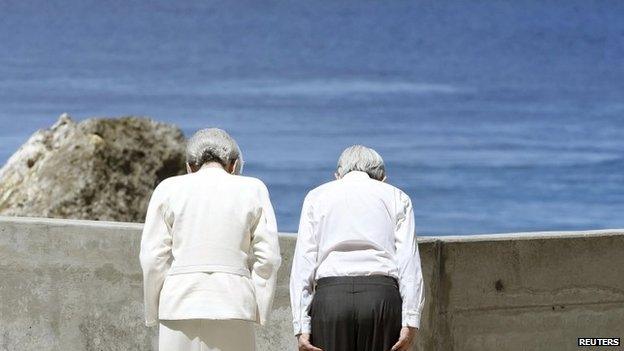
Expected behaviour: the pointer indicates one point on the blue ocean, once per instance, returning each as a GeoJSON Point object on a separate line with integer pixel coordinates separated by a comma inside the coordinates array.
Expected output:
{"type": "Point", "coordinates": [494, 116]}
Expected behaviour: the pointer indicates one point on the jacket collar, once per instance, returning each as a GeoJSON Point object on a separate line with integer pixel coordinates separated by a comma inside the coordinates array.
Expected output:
{"type": "Point", "coordinates": [212, 170]}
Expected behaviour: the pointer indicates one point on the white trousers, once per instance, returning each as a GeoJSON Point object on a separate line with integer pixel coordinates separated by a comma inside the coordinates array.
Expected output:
{"type": "Point", "coordinates": [206, 335]}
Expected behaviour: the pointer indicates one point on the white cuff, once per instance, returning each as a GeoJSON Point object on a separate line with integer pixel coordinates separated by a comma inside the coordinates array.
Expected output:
{"type": "Point", "coordinates": [302, 327]}
{"type": "Point", "coordinates": [411, 318]}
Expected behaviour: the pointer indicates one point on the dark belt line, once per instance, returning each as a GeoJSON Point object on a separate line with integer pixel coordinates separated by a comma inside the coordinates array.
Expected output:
{"type": "Point", "coordinates": [358, 280]}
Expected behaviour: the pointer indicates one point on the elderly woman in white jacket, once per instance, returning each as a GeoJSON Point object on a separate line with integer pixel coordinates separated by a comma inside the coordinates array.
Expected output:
{"type": "Point", "coordinates": [209, 251]}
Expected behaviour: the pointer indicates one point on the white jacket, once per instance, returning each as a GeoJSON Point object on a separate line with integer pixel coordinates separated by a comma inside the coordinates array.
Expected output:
{"type": "Point", "coordinates": [209, 248]}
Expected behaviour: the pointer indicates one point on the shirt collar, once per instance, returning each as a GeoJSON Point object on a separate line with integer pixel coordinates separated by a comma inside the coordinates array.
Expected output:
{"type": "Point", "coordinates": [356, 175]}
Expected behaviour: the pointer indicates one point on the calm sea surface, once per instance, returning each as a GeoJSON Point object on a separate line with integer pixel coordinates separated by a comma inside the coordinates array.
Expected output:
{"type": "Point", "coordinates": [494, 116]}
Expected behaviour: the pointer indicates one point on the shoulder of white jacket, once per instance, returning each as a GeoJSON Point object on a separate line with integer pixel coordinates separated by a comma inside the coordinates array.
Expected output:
{"type": "Point", "coordinates": [249, 184]}
{"type": "Point", "coordinates": [171, 181]}
{"type": "Point", "coordinates": [169, 185]}
{"type": "Point", "coordinates": [249, 180]}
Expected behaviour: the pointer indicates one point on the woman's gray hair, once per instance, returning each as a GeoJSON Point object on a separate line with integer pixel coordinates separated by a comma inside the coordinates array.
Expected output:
{"type": "Point", "coordinates": [213, 145]}
{"type": "Point", "coordinates": [361, 158]}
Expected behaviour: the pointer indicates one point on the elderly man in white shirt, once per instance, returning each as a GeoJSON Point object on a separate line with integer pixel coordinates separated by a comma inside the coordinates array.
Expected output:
{"type": "Point", "coordinates": [356, 282]}
{"type": "Point", "coordinates": [209, 251]}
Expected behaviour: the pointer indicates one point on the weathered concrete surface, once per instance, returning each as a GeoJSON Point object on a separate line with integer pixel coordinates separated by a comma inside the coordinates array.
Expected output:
{"type": "Point", "coordinates": [538, 292]}
{"type": "Point", "coordinates": [76, 285]}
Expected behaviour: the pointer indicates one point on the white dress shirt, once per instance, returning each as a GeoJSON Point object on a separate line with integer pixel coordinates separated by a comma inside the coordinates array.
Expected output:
{"type": "Point", "coordinates": [351, 227]}
{"type": "Point", "coordinates": [209, 248]}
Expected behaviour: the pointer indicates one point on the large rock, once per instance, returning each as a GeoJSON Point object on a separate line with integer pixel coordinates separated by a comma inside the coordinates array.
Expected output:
{"type": "Point", "coordinates": [101, 169]}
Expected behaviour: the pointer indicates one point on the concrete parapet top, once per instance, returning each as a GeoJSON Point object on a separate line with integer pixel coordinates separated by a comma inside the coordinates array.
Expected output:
{"type": "Point", "coordinates": [285, 235]}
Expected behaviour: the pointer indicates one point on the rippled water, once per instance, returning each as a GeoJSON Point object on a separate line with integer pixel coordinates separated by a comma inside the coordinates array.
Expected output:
{"type": "Point", "coordinates": [497, 116]}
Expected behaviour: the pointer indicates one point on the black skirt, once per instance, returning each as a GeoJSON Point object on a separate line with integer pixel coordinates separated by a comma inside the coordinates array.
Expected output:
{"type": "Point", "coordinates": [361, 313]}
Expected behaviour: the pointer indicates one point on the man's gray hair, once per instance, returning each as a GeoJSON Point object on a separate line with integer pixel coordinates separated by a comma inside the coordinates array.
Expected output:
{"type": "Point", "coordinates": [213, 145]}
{"type": "Point", "coordinates": [361, 158]}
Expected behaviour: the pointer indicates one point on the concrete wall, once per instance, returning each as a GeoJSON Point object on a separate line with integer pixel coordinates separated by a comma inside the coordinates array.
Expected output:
{"type": "Point", "coordinates": [76, 285]}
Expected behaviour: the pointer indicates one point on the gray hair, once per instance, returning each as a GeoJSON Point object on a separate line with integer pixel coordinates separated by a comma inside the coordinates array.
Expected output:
{"type": "Point", "coordinates": [213, 145]}
{"type": "Point", "coordinates": [361, 158]}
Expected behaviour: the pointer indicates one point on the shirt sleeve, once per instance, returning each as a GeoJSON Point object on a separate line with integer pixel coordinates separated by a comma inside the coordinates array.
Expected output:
{"type": "Point", "coordinates": [266, 256]}
{"type": "Point", "coordinates": [155, 254]}
{"type": "Point", "coordinates": [303, 270]}
{"type": "Point", "coordinates": [411, 284]}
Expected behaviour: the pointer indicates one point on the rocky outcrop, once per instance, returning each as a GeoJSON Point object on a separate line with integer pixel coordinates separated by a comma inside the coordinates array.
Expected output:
{"type": "Point", "coordinates": [101, 169]}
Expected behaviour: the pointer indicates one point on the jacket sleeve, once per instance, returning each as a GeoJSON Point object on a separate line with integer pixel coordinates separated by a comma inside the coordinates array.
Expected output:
{"type": "Point", "coordinates": [303, 271]}
{"type": "Point", "coordinates": [266, 256]}
{"type": "Point", "coordinates": [155, 255]}
{"type": "Point", "coordinates": [411, 284]}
